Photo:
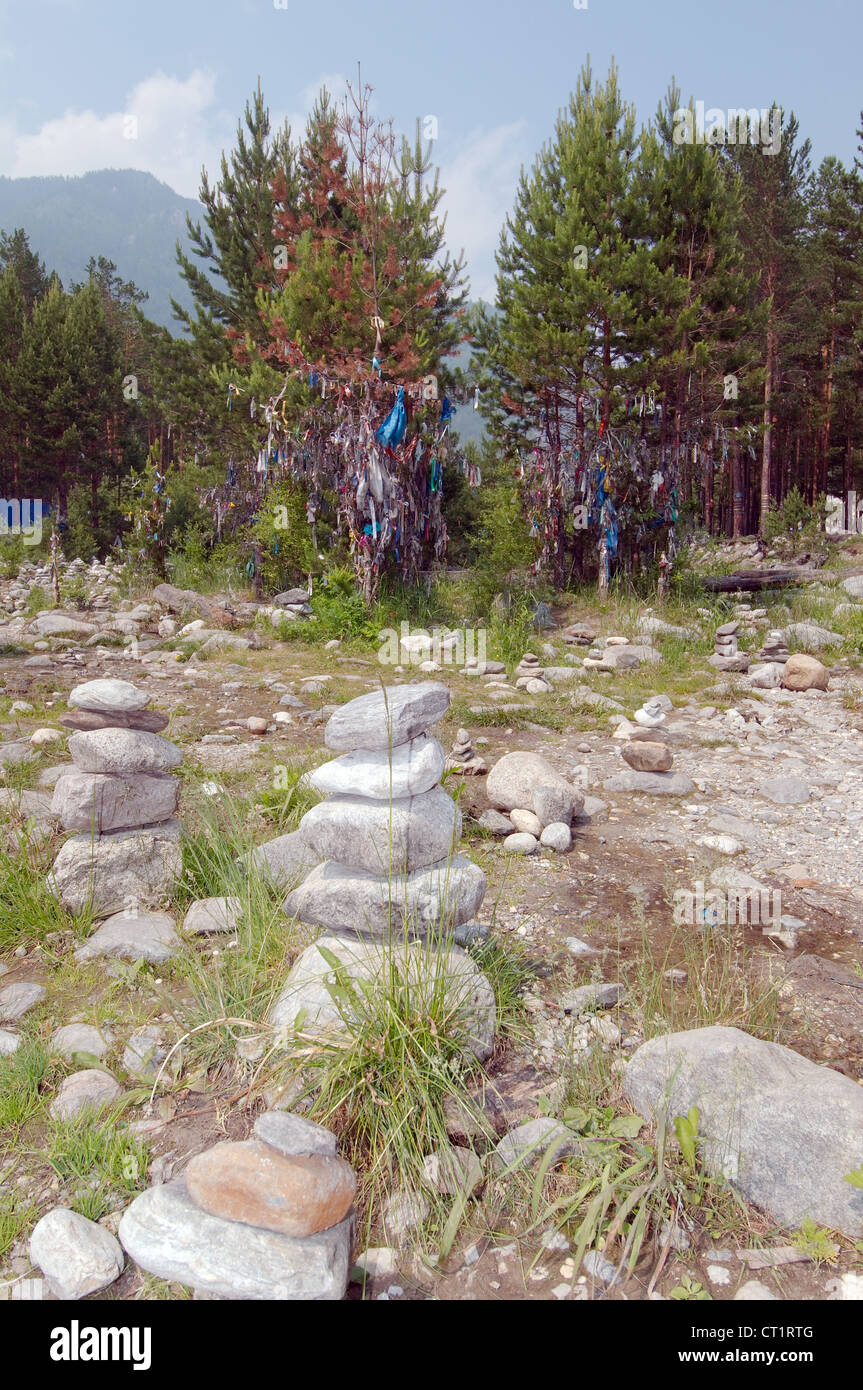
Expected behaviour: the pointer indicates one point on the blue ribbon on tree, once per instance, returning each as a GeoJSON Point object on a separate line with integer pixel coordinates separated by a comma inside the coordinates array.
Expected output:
{"type": "Point", "coordinates": [392, 431]}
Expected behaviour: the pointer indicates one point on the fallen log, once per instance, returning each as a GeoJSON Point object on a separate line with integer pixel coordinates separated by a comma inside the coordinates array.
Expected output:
{"type": "Point", "coordinates": [750, 581]}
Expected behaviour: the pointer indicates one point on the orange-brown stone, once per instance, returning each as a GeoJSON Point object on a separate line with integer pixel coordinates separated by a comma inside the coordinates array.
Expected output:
{"type": "Point", "coordinates": [252, 1183]}
{"type": "Point", "coordinates": [647, 757]}
{"type": "Point", "coordinates": [802, 672]}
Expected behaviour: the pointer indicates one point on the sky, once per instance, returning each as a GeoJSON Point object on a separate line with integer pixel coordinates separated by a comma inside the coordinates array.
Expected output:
{"type": "Point", "coordinates": [159, 85]}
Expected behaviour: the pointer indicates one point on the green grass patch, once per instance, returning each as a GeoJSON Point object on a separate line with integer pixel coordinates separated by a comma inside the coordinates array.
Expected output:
{"type": "Point", "coordinates": [17, 1214]}
{"type": "Point", "coordinates": [102, 1162]}
{"type": "Point", "coordinates": [23, 1084]}
{"type": "Point", "coordinates": [28, 909]}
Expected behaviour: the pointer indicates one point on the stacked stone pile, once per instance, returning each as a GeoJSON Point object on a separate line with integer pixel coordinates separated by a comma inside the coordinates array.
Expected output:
{"type": "Point", "coordinates": [386, 830]}
{"type": "Point", "coordinates": [268, 1218]}
{"type": "Point", "coordinates": [727, 656]}
{"type": "Point", "coordinates": [529, 675]}
{"type": "Point", "coordinates": [579, 635]}
{"type": "Point", "coordinates": [775, 649]}
{"type": "Point", "coordinates": [462, 759]}
{"type": "Point", "coordinates": [767, 673]}
{"type": "Point", "coordinates": [292, 604]}
{"type": "Point", "coordinates": [120, 799]}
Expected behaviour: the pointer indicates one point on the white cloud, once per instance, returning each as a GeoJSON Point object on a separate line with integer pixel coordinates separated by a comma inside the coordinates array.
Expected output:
{"type": "Point", "coordinates": [165, 129]}
{"type": "Point", "coordinates": [480, 185]}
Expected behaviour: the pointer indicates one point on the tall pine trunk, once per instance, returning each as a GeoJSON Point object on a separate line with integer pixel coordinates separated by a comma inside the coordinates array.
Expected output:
{"type": "Point", "coordinates": [768, 422]}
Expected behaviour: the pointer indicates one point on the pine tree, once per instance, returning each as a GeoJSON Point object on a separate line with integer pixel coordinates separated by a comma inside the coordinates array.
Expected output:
{"type": "Point", "coordinates": [561, 348]}
{"type": "Point", "coordinates": [237, 246]}
{"type": "Point", "coordinates": [363, 248]}
{"type": "Point", "coordinates": [13, 315]}
{"type": "Point", "coordinates": [772, 222]}
{"type": "Point", "coordinates": [32, 277]}
{"type": "Point", "coordinates": [240, 238]}
{"type": "Point", "coordinates": [694, 314]}
{"type": "Point", "coordinates": [836, 289]}
{"type": "Point", "coordinates": [48, 398]}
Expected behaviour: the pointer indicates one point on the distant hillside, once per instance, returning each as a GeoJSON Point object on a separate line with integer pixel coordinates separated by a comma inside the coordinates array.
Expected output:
{"type": "Point", "coordinates": [123, 214]}
{"type": "Point", "coordinates": [134, 220]}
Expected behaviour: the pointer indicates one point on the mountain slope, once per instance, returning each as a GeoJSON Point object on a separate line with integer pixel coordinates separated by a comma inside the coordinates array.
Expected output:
{"type": "Point", "coordinates": [124, 214]}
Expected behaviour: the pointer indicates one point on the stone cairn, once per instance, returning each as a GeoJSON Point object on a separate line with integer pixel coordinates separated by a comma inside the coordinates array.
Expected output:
{"type": "Point", "coordinates": [293, 604]}
{"type": "Point", "coordinates": [775, 649]}
{"type": "Point", "coordinates": [727, 656]}
{"type": "Point", "coordinates": [386, 831]}
{"type": "Point", "coordinates": [529, 675]}
{"type": "Point", "coordinates": [270, 1217]}
{"type": "Point", "coordinates": [652, 712]}
{"type": "Point", "coordinates": [579, 635]}
{"type": "Point", "coordinates": [462, 760]}
{"type": "Point", "coordinates": [119, 799]}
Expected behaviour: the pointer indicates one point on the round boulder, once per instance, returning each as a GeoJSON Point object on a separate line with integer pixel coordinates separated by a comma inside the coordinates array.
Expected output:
{"type": "Point", "coordinates": [803, 672]}
{"type": "Point", "coordinates": [525, 781]}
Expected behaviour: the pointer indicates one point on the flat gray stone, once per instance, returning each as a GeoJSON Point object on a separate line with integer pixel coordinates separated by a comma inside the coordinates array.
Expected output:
{"type": "Point", "coordinates": [122, 751]}
{"type": "Point", "coordinates": [26, 803]}
{"type": "Point", "coordinates": [112, 872]}
{"type": "Point", "coordinates": [166, 1234]}
{"type": "Point", "coordinates": [211, 915]}
{"type": "Point", "coordinates": [145, 1052]}
{"type": "Point", "coordinates": [765, 676]}
{"type": "Point", "coordinates": [659, 627]}
{"type": "Point", "coordinates": [343, 899]}
{"type": "Point", "coordinates": [599, 996]}
{"type": "Point", "coordinates": [295, 597]}
{"type": "Point", "coordinates": [411, 769]}
{"type": "Point", "coordinates": [628, 657]}
{"type": "Point", "coordinates": [740, 662]}
{"type": "Point", "coordinates": [17, 1000]}
{"type": "Point", "coordinates": [811, 636]}
{"type": "Point", "coordinates": [594, 700]}
{"type": "Point", "coordinates": [79, 1037]}
{"type": "Point", "coordinates": [785, 791]}
{"type": "Point", "coordinates": [292, 1134]}
{"type": "Point", "coordinates": [560, 675]}
{"type": "Point", "coordinates": [784, 1130]}
{"type": "Point", "coordinates": [307, 991]}
{"type": "Point", "coordinates": [385, 719]}
{"type": "Point", "coordinates": [529, 1141]}
{"type": "Point", "coordinates": [97, 800]}
{"type": "Point", "coordinates": [61, 625]}
{"type": "Point", "coordinates": [148, 936]}
{"type": "Point", "coordinates": [9, 1042]}
{"type": "Point", "coordinates": [76, 1256]}
{"type": "Point", "coordinates": [108, 696]}
{"type": "Point", "coordinates": [84, 1090]}
{"type": "Point", "coordinates": [653, 783]}
{"type": "Point", "coordinates": [11, 754]}
{"type": "Point", "coordinates": [381, 837]}
{"type": "Point", "coordinates": [854, 586]}
{"type": "Point", "coordinates": [85, 720]}
{"type": "Point", "coordinates": [284, 860]}
{"type": "Point", "coordinates": [496, 823]}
